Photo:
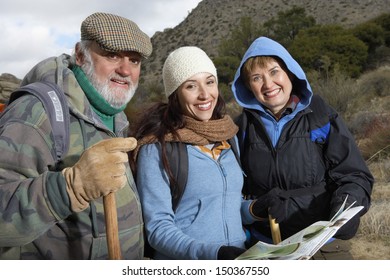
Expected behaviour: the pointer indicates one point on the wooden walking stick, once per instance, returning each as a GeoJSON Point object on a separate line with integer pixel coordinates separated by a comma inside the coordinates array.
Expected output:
{"type": "Point", "coordinates": [275, 230]}
{"type": "Point", "coordinates": [111, 218]}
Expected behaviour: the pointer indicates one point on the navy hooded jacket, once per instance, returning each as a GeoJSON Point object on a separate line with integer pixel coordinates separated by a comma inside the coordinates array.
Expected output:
{"type": "Point", "coordinates": [288, 154]}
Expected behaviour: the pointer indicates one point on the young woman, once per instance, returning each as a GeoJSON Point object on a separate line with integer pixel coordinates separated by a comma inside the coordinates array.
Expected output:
{"type": "Point", "coordinates": [207, 222]}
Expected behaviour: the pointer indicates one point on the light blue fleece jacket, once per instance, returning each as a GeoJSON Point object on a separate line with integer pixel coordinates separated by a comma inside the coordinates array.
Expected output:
{"type": "Point", "coordinates": [208, 215]}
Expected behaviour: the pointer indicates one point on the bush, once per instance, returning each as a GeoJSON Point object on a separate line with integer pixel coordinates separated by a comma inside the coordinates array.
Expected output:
{"type": "Point", "coordinates": [376, 145]}
{"type": "Point", "coordinates": [360, 123]}
{"type": "Point", "coordinates": [376, 82]}
{"type": "Point", "coordinates": [337, 89]}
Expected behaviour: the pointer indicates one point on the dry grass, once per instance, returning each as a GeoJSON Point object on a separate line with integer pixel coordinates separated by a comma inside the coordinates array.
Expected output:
{"type": "Point", "coordinates": [372, 241]}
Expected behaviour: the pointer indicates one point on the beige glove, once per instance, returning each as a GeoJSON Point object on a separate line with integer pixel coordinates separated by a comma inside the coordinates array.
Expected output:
{"type": "Point", "coordinates": [100, 170]}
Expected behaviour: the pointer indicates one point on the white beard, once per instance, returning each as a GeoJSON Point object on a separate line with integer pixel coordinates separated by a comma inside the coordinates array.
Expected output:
{"type": "Point", "coordinates": [116, 97]}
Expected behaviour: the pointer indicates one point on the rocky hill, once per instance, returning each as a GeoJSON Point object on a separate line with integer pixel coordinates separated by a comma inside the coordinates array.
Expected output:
{"type": "Point", "coordinates": [212, 20]}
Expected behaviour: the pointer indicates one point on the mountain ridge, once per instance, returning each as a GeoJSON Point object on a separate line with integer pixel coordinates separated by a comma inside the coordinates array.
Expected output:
{"type": "Point", "coordinates": [212, 20]}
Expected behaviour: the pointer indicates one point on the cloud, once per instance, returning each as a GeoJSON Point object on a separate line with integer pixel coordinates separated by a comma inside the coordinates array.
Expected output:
{"type": "Point", "coordinates": [34, 30]}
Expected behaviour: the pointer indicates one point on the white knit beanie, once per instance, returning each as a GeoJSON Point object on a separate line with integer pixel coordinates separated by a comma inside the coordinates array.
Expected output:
{"type": "Point", "coordinates": [183, 63]}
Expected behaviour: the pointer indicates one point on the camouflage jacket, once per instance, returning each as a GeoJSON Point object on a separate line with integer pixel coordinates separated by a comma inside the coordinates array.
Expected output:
{"type": "Point", "coordinates": [35, 217]}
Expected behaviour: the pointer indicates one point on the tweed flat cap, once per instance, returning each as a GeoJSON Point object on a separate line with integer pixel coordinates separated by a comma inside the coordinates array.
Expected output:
{"type": "Point", "coordinates": [182, 64]}
{"type": "Point", "coordinates": [114, 33]}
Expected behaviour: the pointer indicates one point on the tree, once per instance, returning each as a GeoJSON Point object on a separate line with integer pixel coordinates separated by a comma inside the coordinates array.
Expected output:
{"type": "Point", "coordinates": [286, 25]}
{"type": "Point", "coordinates": [227, 66]}
{"type": "Point", "coordinates": [371, 34]}
{"type": "Point", "coordinates": [240, 38]}
{"type": "Point", "coordinates": [232, 49]}
{"type": "Point", "coordinates": [378, 54]}
{"type": "Point", "coordinates": [384, 21]}
{"type": "Point", "coordinates": [339, 46]}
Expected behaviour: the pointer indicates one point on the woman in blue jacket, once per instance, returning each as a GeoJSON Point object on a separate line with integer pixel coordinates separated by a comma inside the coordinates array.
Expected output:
{"type": "Point", "coordinates": [207, 222]}
{"type": "Point", "coordinates": [299, 158]}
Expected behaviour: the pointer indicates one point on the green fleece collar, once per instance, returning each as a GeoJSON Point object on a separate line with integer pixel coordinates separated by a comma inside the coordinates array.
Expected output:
{"type": "Point", "coordinates": [99, 104]}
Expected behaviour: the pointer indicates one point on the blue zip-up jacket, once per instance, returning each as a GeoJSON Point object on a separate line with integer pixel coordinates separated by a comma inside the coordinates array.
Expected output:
{"type": "Point", "coordinates": [208, 215]}
{"type": "Point", "coordinates": [285, 154]}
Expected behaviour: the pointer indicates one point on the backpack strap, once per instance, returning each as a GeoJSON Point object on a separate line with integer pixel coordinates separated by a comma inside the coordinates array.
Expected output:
{"type": "Point", "coordinates": [233, 144]}
{"type": "Point", "coordinates": [55, 104]}
{"type": "Point", "coordinates": [241, 121]}
{"type": "Point", "coordinates": [178, 162]}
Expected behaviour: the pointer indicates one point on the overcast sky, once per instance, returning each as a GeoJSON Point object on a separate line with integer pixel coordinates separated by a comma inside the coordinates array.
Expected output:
{"type": "Point", "coordinates": [32, 30]}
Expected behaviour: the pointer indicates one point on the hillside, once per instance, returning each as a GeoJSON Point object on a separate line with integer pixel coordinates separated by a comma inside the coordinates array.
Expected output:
{"type": "Point", "coordinates": [212, 21]}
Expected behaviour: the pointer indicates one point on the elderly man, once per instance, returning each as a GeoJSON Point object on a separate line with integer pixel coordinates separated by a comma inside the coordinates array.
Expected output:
{"type": "Point", "coordinates": [54, 210]}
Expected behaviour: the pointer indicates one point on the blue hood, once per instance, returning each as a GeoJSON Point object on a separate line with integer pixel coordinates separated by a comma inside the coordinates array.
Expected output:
{"type": "Point", "coordinates": [266, 47]}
